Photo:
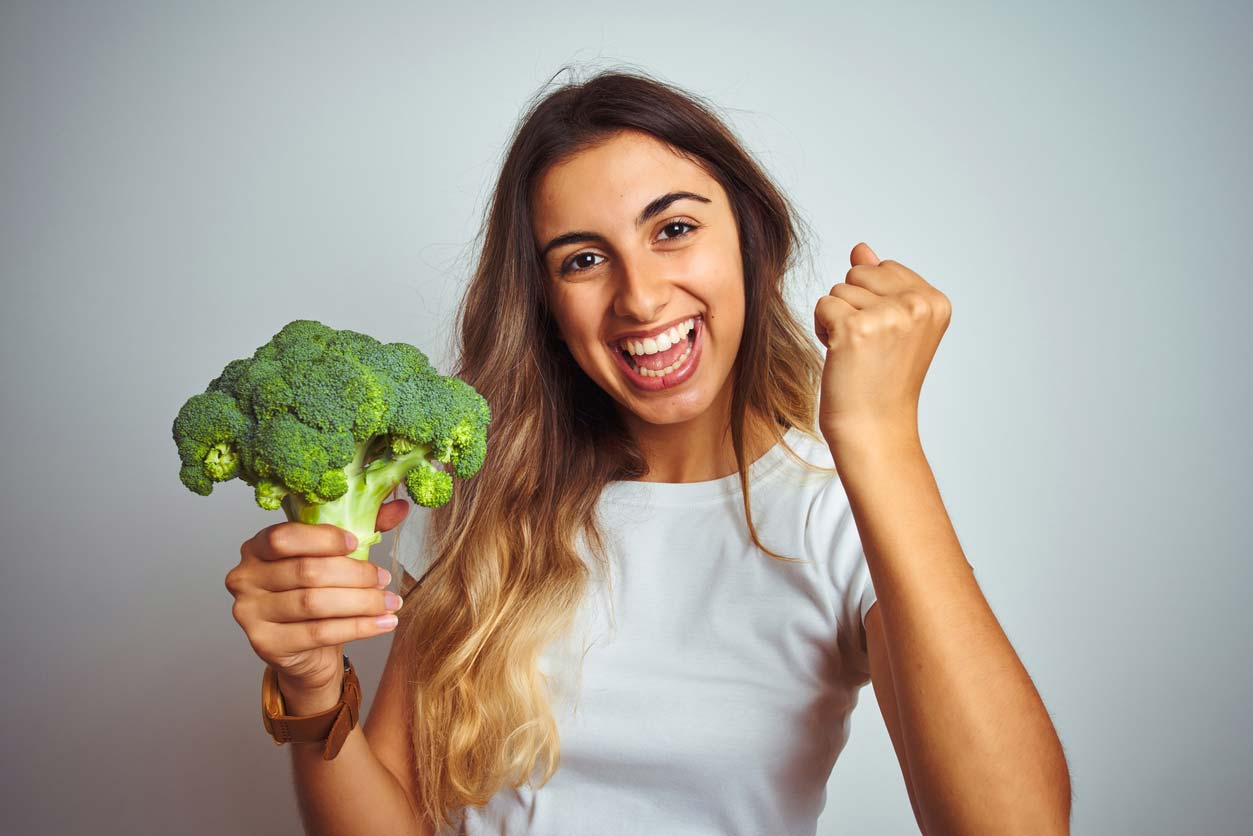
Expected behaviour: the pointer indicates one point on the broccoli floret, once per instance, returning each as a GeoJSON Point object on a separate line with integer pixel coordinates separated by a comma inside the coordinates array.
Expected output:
{"type": "Point", "coordinates": [326, 423]}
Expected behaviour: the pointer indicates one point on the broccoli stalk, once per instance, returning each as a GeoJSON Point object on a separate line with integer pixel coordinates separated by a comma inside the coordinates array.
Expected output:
{"type": "Point", "coordinates": [358, 509]}
{"type": "Point", "coordinates": [325, 424]}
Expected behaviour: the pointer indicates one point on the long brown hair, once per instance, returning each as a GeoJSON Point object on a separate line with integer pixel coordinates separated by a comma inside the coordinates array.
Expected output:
{"type": "Point", "coordinates": [505, 575]}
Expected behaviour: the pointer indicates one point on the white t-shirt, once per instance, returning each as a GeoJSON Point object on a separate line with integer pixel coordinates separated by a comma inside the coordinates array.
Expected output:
{"type": "Point", "coordinates": [716, 694]}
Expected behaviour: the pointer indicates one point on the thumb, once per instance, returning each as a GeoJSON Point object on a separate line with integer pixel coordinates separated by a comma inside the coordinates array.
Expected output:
{"type": "Point", "coordinates": [862, 254]}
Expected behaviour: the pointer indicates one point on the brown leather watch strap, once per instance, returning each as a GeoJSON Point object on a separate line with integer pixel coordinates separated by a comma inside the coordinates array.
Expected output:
{"type": "Point", "coordinates": [332, 725]}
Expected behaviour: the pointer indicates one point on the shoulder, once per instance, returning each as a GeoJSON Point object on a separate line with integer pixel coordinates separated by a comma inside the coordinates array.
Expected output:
{"type": "Point", "coordinates": [807, 461]}
{"type": "Point", "coordinates": [811, 474]}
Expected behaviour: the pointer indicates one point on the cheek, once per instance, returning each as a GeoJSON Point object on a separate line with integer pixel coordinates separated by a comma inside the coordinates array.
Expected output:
{"type": "Point", "coordinates": [569, 314]}
{"type": "Point", "coordinates": [718, 271]}
{"type": "Point", "coordinates": [580, 333]}
{"type": "Point", "coordinates": [728, 304]}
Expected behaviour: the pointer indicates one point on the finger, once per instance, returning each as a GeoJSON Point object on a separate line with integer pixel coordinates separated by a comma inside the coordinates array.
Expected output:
{"type": "Point", "coordinates": [285, 639]}
{"type": "Point", "coordinates": [292, 539]}
{"type": "Point", "coordinates": [862, 254]}
{"type": "Point", "coordinates": [318, 603]}
{"type": "Point", "coordinates": [911, 278]}
{"type": "Point", "coordinates": [391, 514]}
{"type": "Point", "coordinates": [827, 314]}
{"type": "Point", "coordinates": [306, 572]}
{"type": "Point", "coordinates": [859, 297]}
{"type": "Point", "coordinates": [877, 278]}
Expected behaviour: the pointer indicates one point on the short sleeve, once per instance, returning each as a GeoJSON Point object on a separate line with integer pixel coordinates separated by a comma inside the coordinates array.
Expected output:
{"type": "Point", "coordinates": [832, 537]}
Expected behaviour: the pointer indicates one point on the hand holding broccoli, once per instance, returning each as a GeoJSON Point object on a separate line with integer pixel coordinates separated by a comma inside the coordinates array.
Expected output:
{"type": "Point", "coordinates": [299, 598]}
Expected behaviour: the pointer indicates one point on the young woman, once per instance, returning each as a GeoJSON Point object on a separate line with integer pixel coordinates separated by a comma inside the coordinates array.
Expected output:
{"type": "Point", "coordinates": [653, 608]}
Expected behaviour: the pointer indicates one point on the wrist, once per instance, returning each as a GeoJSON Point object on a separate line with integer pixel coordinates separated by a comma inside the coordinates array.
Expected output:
{"type": "Point", "coordinates": [873, 441]}
{"type": "Point", "coordinates": [301, 701]}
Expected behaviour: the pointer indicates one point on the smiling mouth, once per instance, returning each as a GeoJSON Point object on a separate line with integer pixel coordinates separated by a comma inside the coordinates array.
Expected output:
{"type": "Point", "coordinates": [646, 366]}
{"type": "Point", "coordinates": [632, 359]}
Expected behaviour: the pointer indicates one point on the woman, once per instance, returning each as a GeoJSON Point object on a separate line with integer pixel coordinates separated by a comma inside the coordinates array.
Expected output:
{"type": "Point", "coordinates": [602, 641]}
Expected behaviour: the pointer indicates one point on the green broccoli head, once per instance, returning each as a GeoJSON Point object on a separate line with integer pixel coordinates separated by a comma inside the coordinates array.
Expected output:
{"type": "Point", "coordinates": [326, 423]}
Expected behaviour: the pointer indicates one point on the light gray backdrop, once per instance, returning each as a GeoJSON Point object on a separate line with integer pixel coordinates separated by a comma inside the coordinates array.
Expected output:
{"type": "Point", "coordinates": [177, 183]}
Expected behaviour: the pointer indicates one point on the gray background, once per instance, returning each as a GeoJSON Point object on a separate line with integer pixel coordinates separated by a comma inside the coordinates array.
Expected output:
{"type": "Point", "coordinates": [177, 183]}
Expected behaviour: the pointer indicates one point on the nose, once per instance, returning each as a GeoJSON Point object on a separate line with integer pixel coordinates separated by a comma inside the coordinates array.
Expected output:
{"type": "Point", "coordinates": [642, 292]}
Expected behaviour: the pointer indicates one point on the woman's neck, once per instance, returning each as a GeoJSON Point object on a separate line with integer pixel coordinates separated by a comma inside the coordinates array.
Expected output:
{"type": "Point", "coordinates": [698, 450]}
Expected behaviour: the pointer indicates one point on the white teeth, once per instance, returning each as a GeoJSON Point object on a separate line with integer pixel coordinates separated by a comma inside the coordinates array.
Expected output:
{"type": "Point", "coordinates": [662, 342]}
{"type": "Point", "coordinates": [663, 372]}
{"type": "Point", "coordinates": [668, 369]}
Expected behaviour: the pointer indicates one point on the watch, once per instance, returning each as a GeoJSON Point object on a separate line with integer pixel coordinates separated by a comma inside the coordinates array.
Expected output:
{"type": "Point", "coordinates": [332, 725]}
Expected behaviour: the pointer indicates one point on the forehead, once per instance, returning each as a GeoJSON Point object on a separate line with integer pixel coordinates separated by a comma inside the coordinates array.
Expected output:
{"type": "Point", "coordinates": [608, 184]}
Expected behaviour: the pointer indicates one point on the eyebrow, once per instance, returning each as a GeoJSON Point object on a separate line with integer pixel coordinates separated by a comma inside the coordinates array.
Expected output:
{"type": "Point", "coordinates": [655, 207]}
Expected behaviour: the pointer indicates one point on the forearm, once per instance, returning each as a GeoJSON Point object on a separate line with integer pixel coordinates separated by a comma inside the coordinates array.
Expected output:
{"type": "Point", "coordinates": [352, 794]}
{"type": "Point", "coordinates": [982, 751]}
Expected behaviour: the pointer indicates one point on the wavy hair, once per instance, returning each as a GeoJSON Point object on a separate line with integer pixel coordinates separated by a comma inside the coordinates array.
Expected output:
{"type": "Point", "coordinates": [505, 575]}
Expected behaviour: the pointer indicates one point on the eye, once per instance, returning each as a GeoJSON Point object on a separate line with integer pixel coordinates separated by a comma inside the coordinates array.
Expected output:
{"type": "Point", "coordinates": [678, 223]}
{"type": "Point", "coordinates": [567, 266]}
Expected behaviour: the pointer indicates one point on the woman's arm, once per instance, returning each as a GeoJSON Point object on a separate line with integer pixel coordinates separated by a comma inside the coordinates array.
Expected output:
{"type": "Point", "coordinates": [353, 792]}
{"type": "Point", "coordinates": [982, 750]}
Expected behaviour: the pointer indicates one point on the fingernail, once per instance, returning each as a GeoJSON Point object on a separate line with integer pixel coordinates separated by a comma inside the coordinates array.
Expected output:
{"type": "Point", "coordinates": [350, 540]}
{"type": "Point", "coordinates": [391, 601]}
{"type": "Point", "coordinates": [385, 577]}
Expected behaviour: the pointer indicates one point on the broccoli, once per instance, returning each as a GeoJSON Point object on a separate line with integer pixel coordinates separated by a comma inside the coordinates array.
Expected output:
{"type": "Point", "coordinates": [326, 423]}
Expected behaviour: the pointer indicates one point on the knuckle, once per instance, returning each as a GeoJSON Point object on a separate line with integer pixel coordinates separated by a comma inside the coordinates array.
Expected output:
{"type": "Point", "coordinates": [237, 613]}
{"type": "Point", "coordinates": [916, 304]}
{"type": "Point", "coordinates": [279, 539]}
{"type": "Point", "coordinates": [311, 602]}
{"type": "Point", "coordinates": [320, 634]}
{"type": "Point", "coordinates": [309, 571]}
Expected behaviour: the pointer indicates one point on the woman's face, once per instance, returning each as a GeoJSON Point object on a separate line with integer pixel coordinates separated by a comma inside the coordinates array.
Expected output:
{"type": "Point", "coordinates": [666, 277]}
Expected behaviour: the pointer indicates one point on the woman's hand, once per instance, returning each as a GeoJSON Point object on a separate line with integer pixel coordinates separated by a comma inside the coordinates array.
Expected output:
{"type": "Point", "coordinates": [881, 326]}
{"type": "Point", "coordinates": [299, 598]}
